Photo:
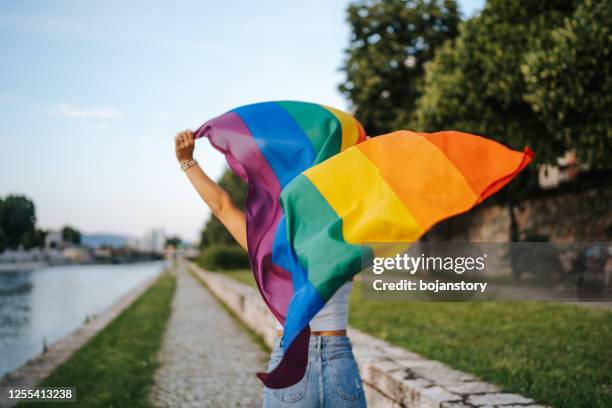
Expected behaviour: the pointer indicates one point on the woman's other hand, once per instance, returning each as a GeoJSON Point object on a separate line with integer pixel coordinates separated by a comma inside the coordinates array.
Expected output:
{"type": "Point", "coordinates": [184, 145]}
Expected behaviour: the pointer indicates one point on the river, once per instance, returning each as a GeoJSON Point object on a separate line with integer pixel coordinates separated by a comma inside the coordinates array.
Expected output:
{"type": "Point", "coordinates": [45, 304]}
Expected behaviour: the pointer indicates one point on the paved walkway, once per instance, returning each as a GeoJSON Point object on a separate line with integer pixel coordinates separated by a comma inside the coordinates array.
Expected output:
{"type": "Point", "coordinates": [207, 359]}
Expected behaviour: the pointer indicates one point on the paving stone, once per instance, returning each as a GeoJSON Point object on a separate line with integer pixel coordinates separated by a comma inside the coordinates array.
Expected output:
{"type": "Point", "coordinates": [455, 405]}
{"type": "Point", "coordinates": [472, 387]}
{"type": "Point", "coordinates": [433, 397]}
{"type": "Point", "coordinates": [525, 406]}
{"type": "Point", "coordinates": [498, 399]}
{"type": "Point", "coordinates": [441, 374]}
{"type": "Point", "coordinates": [207, 359]}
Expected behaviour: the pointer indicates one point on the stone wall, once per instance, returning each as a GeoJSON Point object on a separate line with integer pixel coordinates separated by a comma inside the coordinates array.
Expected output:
{"type": "Point", "coordinates": [392, 377]}
{"type": "Point", "coordinates": [578, 216]}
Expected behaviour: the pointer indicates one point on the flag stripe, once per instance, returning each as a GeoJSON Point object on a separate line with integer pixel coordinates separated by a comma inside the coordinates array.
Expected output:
{"type": "Point", "coordinates": [369, 207]}
{"type": "Point", "coordinates": [486, 151]}
{"type": "Point", "coordinates": [420, 174]}
{"type": "Point", "coordinates": [280, 139]}
{"type": "Point", "coordinates": [321, 126]}
{"type": "Point", "coordinates": [320, 245]}
{"type": "Point", "coordinates": [351, 132]}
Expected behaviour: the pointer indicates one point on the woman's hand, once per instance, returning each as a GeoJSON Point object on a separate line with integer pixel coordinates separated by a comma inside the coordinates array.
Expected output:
{"type": "Point", "coordinates": [184, 145]}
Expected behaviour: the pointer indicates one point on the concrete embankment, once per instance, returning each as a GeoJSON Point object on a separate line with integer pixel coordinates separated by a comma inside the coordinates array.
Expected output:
{"type": "Point", "coordinates": [21, 266]}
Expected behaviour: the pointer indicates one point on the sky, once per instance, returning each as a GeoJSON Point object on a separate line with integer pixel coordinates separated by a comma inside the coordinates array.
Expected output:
{"type": "Point", "coordinates": [92, 94]}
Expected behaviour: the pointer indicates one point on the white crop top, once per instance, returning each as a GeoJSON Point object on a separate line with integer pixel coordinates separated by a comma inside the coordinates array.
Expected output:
{"type": "Point", "coordinates": [334, 315]}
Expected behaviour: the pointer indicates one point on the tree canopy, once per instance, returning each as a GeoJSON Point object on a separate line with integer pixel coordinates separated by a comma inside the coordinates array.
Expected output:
{"type": "Point", "coordinates": [569, 84]}
{"type": "Point", "coordinates": [475, 83]}
{"type": "Point", "coordinates": [390, 42]}
{"type": "Point", "coordinates": [525, 73]}
{"type": "Point", "coordinates": [71, 235]}
{"type": "Point", "coordinates": [17, 222]}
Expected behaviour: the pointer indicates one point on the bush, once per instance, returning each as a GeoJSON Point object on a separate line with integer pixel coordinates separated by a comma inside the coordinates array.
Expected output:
{"type": "Point", "coordinates": [224, 257]}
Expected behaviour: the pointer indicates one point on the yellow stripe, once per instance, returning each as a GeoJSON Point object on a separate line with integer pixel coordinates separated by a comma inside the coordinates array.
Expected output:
{"type": "Point", "coordinates": [370, 209]}
{"type": "Point", "coordinates": [350, 133]}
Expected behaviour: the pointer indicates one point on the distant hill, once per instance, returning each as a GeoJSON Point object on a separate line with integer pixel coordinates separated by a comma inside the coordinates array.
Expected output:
{"type": "Point", "coordinates": [99, 240]}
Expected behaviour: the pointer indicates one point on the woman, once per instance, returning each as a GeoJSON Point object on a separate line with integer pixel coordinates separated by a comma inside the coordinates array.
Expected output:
{"type": "Point", "coordinates": [332, 378]}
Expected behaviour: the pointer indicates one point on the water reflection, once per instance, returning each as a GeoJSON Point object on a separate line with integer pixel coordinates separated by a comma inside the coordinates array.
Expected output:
{"type": "Point", "coordinates": [44, 305]}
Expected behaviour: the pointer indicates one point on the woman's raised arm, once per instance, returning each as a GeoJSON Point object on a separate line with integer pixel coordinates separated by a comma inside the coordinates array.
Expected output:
{"type": "Point", "coordinates": [213, 195]}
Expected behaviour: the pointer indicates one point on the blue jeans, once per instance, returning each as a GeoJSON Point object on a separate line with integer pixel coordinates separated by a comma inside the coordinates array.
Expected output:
{"type": "Point", "coordinates": [331, 380]}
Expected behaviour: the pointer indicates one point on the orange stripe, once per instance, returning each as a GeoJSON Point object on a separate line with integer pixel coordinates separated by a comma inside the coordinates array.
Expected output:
{"type": "Point", "coordinates": [427, 183]}
{"type": "Point", "coordinates": [476, 153]}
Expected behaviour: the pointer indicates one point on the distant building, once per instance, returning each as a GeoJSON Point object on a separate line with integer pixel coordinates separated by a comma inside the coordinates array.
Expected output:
{"type": "Point", "coordinates": [154, 241]}
{"type": "Point", "coordinates": [103, 254]}
{"type": "Point", "coordinates": [551, 176]}
{"type": "Point", "coordinates": [54, 239]}
{"type": "Point", "coordinates": [76, 254]}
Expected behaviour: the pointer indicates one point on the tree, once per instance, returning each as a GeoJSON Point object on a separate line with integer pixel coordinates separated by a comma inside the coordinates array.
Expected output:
{"type": "Point", "coordinates": [390, 42]}
{"type": "Point", "coordinates": [3, 238]}
{"type": "Point", "coordinates": [17, 220]}
{"type": "Point", "coordinates": [569, 85]}
{"type": "Point", "coordinates": [35, 238]}
{"type": "Point", "coordinates": [214, 232]}
{"type": "Point", "coordinates": [71, 235]}
{"type": "Point", "coordinates": [475, 83]}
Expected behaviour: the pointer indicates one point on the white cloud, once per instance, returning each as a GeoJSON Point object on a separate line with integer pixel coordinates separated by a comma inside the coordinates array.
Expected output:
{"type": "Point", "coordinates": [74, 112]}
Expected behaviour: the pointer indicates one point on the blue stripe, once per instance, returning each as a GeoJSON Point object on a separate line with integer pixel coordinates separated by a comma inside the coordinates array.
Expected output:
{"type": "Point", "coordinates": [280, 139]}
{"type": "Point", "coordinates": [305, 304]}
{"type": "Point", "coordinates": [284, 256]}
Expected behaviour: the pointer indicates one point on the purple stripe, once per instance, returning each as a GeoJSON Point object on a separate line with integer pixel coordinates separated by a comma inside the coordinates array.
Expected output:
{"type": "Point", "coordinates": [229, 134]}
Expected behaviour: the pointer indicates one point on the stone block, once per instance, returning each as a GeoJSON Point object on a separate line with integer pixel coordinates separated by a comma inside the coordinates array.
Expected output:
{"type": "Point", "coordinates": [498, 399]}
{"type": "Point", "coordinates": [472, 387]}
{"type": "Point", "coordinates": [433, 397]}
{"type": "Point", "coordinates": [455, 405]}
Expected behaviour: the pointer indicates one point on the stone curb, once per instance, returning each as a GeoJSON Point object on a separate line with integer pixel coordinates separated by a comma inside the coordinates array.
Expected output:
{"type": "Point", "coordinates": [39, 367]}
{"type": "Point", "coordinates": [392, 377]}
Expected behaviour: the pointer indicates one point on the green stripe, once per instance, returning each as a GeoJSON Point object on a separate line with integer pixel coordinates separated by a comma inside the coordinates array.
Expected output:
{"type": "Point", "coordinates": [315, 231]}
{"type": "Point", "coordinates": [321, 126]}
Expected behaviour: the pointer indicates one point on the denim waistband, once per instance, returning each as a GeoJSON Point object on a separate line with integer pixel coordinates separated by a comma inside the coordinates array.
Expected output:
{"type": "Point", "coordinates": [324, 342]}
{"type": "Point", "coordinates": [329, 342]}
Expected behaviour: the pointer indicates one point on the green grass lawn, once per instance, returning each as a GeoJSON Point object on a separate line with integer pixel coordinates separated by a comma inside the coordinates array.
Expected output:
{"type": "Point", "coordinates": [115, 368]}
{"type": "Point", "coordinates": [558, 354]}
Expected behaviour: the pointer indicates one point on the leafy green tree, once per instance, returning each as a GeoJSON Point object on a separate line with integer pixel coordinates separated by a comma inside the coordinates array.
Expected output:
{"type": "Point", "coordinates": [569, 85]}
{"type": "Point", "coordinates": [390, 42]}
{"type": "Point", "coordinates": [3, 238]}
{"type": "Point", "coordinates": [35, 238]}
{"type": "Point", "coordinates": [17, 220]}
{"type": "Point", "coordinates": [214, 232]}
{"type": "Point", "coordinates": [71, 235]}
{"type": "Point", "coordinates": [475, 82]}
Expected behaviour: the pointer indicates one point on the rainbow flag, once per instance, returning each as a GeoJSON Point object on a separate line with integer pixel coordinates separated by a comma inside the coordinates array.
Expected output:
{"type": "Point", "coordinates": [267, 145]}
{"type": "Point", "coordinates": [391, 188]}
